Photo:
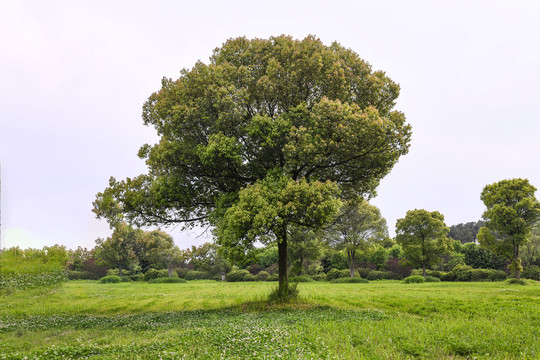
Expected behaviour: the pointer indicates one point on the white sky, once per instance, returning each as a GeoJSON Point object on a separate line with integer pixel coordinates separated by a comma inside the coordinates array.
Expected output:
{"type": "Point", "coordinates": [75, 74]}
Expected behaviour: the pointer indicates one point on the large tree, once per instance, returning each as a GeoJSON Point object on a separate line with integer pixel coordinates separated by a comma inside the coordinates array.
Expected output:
{"type": "Point", "coordinates": [423, 236]}
{"type": "Point", "coordinates": [263, 114]}
{"type": "Point", "coordinates": [359, 226]}
{"type": "Point", "coordinates": [512, 209]}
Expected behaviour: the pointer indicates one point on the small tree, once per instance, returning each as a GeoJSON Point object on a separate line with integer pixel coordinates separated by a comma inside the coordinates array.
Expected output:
{"type": "Point", "coordinates": [358, 227]}
{"type": "Point", "coordinates": [266, 210]}
{"type": "Point", "coordinates": [304, 246]}
{"type": "Point", "coordinates": [423, 237]}
{"type": "Point", "coordinates": [512, 209]}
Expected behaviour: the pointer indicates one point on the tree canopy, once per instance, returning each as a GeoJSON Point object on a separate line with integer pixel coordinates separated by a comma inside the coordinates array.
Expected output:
{"type": "Point", "coordinates": [263, 110]}
{"type": "Point", "coordinates": [465, 233]}
{"type": "Point", "coordinates": [512, 209]}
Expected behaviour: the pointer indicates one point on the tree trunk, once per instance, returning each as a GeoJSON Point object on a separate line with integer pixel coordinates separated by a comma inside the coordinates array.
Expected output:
{"type": "Point", "coordinates": [351, 254]}
{"type": "Point", "coordinates": [517, 261]}
{"type": "Point", "coordinates": [120, 270]}
{"type": "Point", "coordinates": [169, 268]}
{"type": "Point", "coordinates": [282, 263]}
{"type": "Point", "coordinates": [424, 269]}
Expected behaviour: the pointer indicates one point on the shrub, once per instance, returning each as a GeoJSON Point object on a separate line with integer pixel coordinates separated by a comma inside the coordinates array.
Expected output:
{"type": "Point", "coordinates": [196, 275]}
{"type": "Point", "coordinates": [414, 279]}
{"type": "Point", "coordinates": [363, 272]}
{"type": "Point", "coordinates": [136, 277]}
{"type": "Point", "coordinates": [462, 272]}
{"type": "Point", "coordinates": [497, 275]}
{"type": "Point", "coordinates": [449, 276]}
{"type": "Point", "coordinates": [393, 265]}
{"type": "Point", "coordinates": [378, 275]}
{"type": "Point", "coordinates": [261, 276]}
{"type": "Point", "coordinates": [81, 275]}
{"type": "Point", "coordinates": [167, 280]}
{"type": "Point", "coordinates": [349, 280]}
{"type": "Point", "coordinates": [114, 272]}
{"type": "Point", "coordinates": [432, 279]}
{"type": "Point", "coordinates": [182, 272]}
{"type": "Point", "coordinates": [336, 274]}
{"type": "Point", "coordinates": [319, 277]}
{"type": "Point", "coordinates": [515, 281]}
{"type": "Point", "coordinates": [239, 275]}
{"type": "Point", "coordinates": [125, 279]}
{"type": "Point", "coordinates": [254, 269]}
{"type": "Point", "coordinates": [273, 277]}
{"type": "Point", "coordinates": [436, 273]}
{"type": "Point", "coordinates": [300, 279]}
{"type": "Point", "coordinates": [154, 274]}
{"type": "Point", "coordinates": [110, 279]}
{"type": "Point", "coordinates": [479, 274]}
{"type": "Point", "coordinates": [394, 276]}
{"type": "Point", "coordinates": [531, 272]}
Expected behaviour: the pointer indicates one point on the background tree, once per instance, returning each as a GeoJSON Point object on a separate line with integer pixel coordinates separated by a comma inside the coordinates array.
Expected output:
{"type": "Point", "coordinates": [117, 250]}
{"type": "Point", "coordinates": [206, 258]}
{"type": "Point", "coordinates": [512, 209]}
{"type": "Point", "coordinates": [359, 226]}
{"type": "Point", "coordinates": [467, 232]}
{"type": "Point", "coordinates": [530, 252]}
{"type": "Point", "coordinates": [305, 247]}
{"type": "Point", "coordinates": [154, 249]}
{"type": "Point", "coordinates": [78, 257]}
{"type": "Point", "coordinates": [263, 110]}
{"type": "Point", "coordinates": [423, 237]}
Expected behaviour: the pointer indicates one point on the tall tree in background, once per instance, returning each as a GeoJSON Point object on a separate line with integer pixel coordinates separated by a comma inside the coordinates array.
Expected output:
{"type": "Point", "coordinates": [465, 233]}
{"type": "Point", "coordinates": [423, 236]}
{"type": "Point", "coordinates": [358, 227]}
{"type": "Point", "coordinates": [243, 138]}
{"type": "Point", "coordinates": [512, 209]}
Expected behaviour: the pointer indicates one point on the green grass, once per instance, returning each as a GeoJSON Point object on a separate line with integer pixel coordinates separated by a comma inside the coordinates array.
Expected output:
{"type": "Point", "coordinates": [212, 320]}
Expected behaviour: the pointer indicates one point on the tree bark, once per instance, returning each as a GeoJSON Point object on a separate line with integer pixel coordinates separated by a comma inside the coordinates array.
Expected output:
{"type": "Point", "coordinates": [424, 269]}
{"type": "Point", "coordinates": [120, 270]}
{"type": "Point", "coordinates": [170, 268]}
{"type": "Point", "coordinates": [517, 262]}
{"type": "Point", "coordinates": [351, 254]}
{"type": "Point", "coordinates": [282, 262]}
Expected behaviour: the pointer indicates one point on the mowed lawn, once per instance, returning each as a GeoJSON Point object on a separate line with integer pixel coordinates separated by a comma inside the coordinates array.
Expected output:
{"type": "Point", "coordinates": [213, 320]}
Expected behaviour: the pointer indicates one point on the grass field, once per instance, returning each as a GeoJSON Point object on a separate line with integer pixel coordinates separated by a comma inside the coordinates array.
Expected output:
{"type": "Point", "coordinates": [213, 320]}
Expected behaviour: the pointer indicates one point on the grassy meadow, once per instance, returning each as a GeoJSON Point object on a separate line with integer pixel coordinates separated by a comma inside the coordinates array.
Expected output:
{"type": "Point", "coordinates": [215, 320]}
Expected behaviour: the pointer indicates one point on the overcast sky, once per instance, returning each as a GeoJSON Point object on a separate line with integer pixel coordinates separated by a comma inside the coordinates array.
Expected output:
{"type": "Point", "coordinates": [75, 74]}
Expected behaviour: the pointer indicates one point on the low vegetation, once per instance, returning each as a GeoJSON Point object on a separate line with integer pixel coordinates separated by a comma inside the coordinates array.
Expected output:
{"type": "Point", "coordinates": [221, 320]}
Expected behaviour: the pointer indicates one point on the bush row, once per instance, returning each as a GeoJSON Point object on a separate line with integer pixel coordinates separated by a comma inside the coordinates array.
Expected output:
{"type": "Point", "coordinates": [465, 273]}
{"type": "Point", "coordinates": [459, 273]}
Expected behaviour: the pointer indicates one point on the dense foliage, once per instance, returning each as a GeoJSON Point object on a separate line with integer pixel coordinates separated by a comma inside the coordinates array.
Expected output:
{"type": "Point", "coordinates": [512, 209]}
{"type": "Point", "coordinates": [31, 268]}
{"type": "Point", "coordinates": [423, 236]}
